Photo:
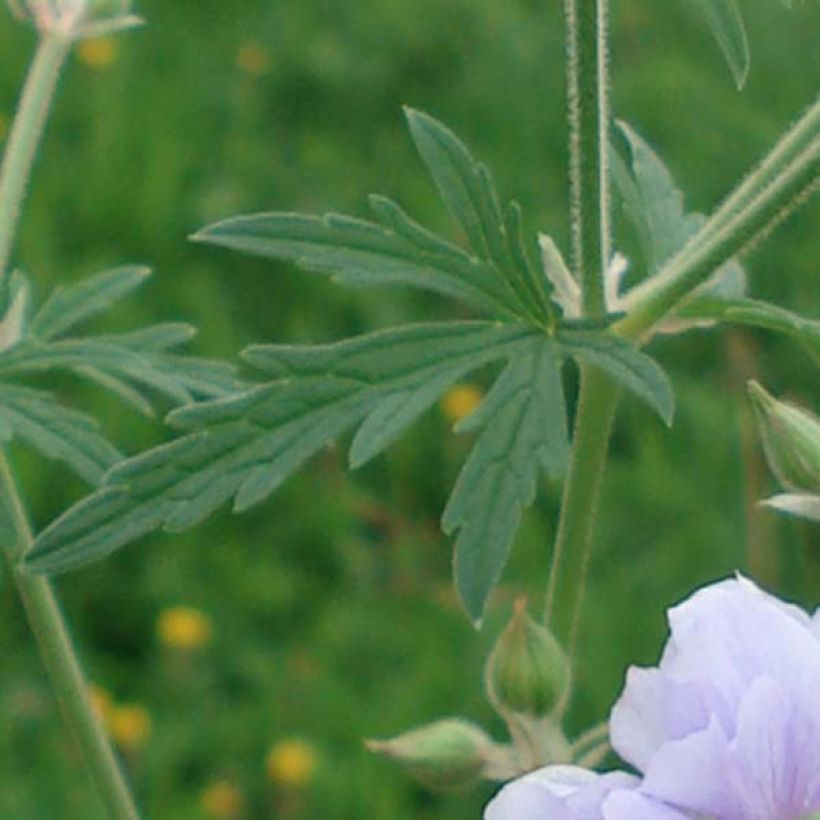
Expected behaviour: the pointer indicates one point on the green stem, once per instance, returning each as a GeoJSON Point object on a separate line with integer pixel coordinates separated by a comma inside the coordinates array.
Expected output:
{"type": "Point", "coordinates": [56, 648]}
{"type": "Point", "coordinates": [588, 99]}
{"type": "Point", "coordinates": [588, 96]}
{"type": "Point", "coordinates": [788, 176]}
{"type": "Point", "coordinates": [596, 411]}
{"type": "Point", "coordinates": [24, 139]}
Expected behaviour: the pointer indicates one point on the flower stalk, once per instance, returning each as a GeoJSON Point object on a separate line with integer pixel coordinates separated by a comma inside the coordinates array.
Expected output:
{"type": "Point", "coordinates": [50, 631]}
{"type": "Point", "coordinates": [588, 103]}
{"type": "Point", "coordinates": [588, 98]}
{"type": "Point", "coordinates": [43, 611]}
{"type": "Point", "coordinates": [25, 136]}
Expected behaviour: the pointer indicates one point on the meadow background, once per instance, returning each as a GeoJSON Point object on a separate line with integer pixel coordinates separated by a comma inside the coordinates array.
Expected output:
{"type": "Point", "coordinates": [327, 614]}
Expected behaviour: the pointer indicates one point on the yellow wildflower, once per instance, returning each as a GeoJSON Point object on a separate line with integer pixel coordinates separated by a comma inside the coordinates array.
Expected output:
{"type": "Point", "coordinates": [183, 627]}
{"type": "Point", "coordinates": [98, 53]}
{"type": "Point", "coordinates": [292, 763]}
{"type": "Point", "coordinates": [130, 725]}
{"type": "Point", "coordinates": [253, 59]}
{"type": "Point", "coordinates": [460, 401]}
{"type": "Point", "coordinates": [221, 799]}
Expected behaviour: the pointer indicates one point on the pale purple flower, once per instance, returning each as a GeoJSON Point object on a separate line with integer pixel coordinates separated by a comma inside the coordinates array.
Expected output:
{"type": "Point", "coordinates": [726, 727]}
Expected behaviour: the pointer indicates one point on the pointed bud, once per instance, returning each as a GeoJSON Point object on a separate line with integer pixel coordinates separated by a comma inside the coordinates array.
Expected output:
{"type": "Point", "coordinates": [528, 672]}
{"type": "Point", "coordinates": [448, 754]}
{"type": "Point", "coordinates": [791, 440]}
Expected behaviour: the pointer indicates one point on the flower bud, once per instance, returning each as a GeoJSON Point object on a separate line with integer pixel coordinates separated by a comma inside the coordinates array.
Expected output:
{"type": "Point", "coordinates": [791, 440]}
{"type": "Point", "coordinates": [445, 755]}
{"type": "Point", "coordinates": [528, 672]}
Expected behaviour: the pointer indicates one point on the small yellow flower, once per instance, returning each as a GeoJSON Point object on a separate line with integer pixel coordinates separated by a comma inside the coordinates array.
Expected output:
{"type": "Point", "coordinates": [253, 59]}
{"type": "Point", "coordinates": [221, 799]}
{"type": "Point", "coordinates": [460, 401]}
{"type": "Point", "coordinates": [98, 53]}
{"type": "Point", "coordinates": [292, 763]}
{"type": "Point", "coordinates": [130, 725]}
{"type": "Point", "coordinates": [183, 627]}
{"type": "Point", "coordinates": [102, 702]}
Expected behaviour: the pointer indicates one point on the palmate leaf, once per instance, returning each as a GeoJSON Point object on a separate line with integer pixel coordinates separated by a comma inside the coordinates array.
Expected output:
{"type": "Point", "coordinates": [651, 200]}
{"type": "Point", "coordinates": [244, 445]}
{"type": "Point", "coordinates": [634, 370]}
{"type": "Point", "coordinates": [496, 279]}
{"type": "Point", "coordinates": [135, 365]}
{"type": "Point", "coordinates": [69, 305]}
{"type": "Point", "coordinates": [655, 207]}
{"type": "Point", "coordinates": [57, 432]}
{"type": "Point", "coordinates": [523, 433]}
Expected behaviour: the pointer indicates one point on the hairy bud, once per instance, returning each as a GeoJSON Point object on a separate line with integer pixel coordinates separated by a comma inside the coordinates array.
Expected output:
{"type": "Point", "coordinates": [447, 754]}
{"type": "Point", "coordinates": [528, 672]}
{"type": "Point", "coordinates": [791, 440]}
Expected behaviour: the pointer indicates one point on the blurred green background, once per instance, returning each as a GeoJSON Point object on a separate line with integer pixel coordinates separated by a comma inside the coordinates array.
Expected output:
{"type": "Point", "coordinates": [327, 614]}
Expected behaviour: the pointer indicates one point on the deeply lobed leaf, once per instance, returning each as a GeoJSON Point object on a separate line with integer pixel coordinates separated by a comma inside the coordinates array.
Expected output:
{"type": "Point", "coordinates": [523, 433]}
{"type": "Point", "coordinates": [497, 278]}
{"type": "Point", "coordinates": [244, 446]}
{"type": "Point", "coordinates": [57, 432]}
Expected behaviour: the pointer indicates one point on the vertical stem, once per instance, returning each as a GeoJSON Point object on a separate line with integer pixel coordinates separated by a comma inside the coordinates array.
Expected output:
{"type": "Point", "coordinates": [41, 606]}
{"type": "Point", "coordinates": [588, 97]}
{"type": "Point", "coordinates": [593, 423]}
{"type": "Point", "coordinates": [57, 651]}
{"type": "Point", "coordinates": [588, 101]}
{"type": "Point", "coordinates": [24, 139]}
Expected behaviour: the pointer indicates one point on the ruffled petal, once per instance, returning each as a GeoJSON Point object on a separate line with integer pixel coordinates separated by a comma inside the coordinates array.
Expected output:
{"type": "Point", "coordinates": [732, 632]}
{"type": "Point", "coordinates": [654, 708]}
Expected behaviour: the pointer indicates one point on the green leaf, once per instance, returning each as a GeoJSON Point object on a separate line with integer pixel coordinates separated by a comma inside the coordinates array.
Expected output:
{"type": "Point", "coordinates": [57, 432]}
{"type": "Point", "coordinates": [727, 26]}
{"type": "Point", "coordinates": [655, 207]}
{"type": "Point", "coordinates": [467, 189]}
{"type": "Point", "coordinates": [16, 292]}
{"type": "Point", "coordinates": [627, 365]}
{"type": "Point", "coordinates": [755, 313]}
{"type": "Point", "coordinates": [363, 253]}
{"type": "Point", "coordinates": [69, 305]}
{"type": "Point", "coordinates": [497, 278]}
{"type": "Point", "coordinates": [245, 446]}
{"type": "Point", "coordinates": [652, 201]}
{"type": "Point", "coordinates": [523, 432]}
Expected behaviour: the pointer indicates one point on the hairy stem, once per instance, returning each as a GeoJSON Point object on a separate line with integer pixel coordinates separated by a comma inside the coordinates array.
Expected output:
{"type": "Point", "coordinates": [596, 411]}
{"type": "Point", "coordinates": [588, 100]}
{"type": "Point", "coordinates": [26, 132]}
{"type": "Point", "coordinates": [38, 598]}
{"type": "Point", "coordinates": [55, 645]}
{"type": "Point", "coordinates": [785, 179]}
